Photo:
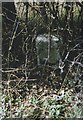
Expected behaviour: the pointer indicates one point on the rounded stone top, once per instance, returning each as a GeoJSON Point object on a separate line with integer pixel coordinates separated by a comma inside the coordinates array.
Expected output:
{"type": "Point", "coordinates": [46, 37]}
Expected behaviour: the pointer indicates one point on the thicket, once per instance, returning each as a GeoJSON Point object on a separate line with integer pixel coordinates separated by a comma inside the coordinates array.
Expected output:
{"type": "Point", "coordinates": [47, 90]}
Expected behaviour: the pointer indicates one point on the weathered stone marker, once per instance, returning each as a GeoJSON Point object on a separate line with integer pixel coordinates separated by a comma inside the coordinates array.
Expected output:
{"type": "Point", "coordinates": [47, 49]}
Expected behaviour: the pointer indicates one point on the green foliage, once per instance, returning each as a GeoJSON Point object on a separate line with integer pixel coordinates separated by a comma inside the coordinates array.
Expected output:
{"type": "Point", "coordinates": [67, 107]}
